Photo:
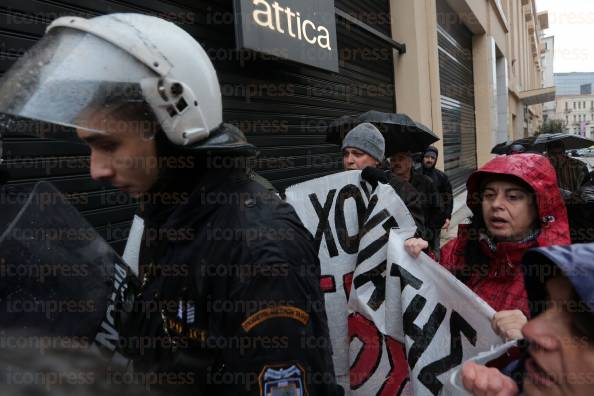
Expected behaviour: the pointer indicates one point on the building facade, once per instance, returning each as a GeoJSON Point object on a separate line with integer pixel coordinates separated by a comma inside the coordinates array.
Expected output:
{"type": "Point", "coordinates": [574, 104]}
{"type": "Point", "coordinates": [548, 77]}
{"type": "Point", "coordinates": [572, 84]}
{"type": "Point", "coordinates": [577, 113]}
{"type": "Point", "coordinates": [473, 71]}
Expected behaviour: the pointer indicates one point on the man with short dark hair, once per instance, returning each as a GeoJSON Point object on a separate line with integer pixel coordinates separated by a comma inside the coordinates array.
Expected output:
{"type": "Point", "coordinates": [402, 166]}
{"type": "Point", "coordinates": [444, 188]}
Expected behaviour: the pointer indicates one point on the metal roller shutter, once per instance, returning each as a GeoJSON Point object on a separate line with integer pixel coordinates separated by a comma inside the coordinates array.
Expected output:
{"type": "Point", "coordinates": [457, 96]}
{"type": "Point", "coordinates": [282, 107]}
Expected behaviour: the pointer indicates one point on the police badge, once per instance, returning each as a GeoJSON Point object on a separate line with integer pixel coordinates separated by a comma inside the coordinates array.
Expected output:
{"type": "Point", "coordinates": [281, 381]}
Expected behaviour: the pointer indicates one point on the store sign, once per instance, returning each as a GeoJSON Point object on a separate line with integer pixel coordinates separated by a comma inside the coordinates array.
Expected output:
{"type": "Point", "coordinates": [303, 31]}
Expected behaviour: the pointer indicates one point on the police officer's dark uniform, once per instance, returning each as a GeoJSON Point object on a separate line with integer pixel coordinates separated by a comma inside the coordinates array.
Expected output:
{"type": "Point", "coordinates": [228, 299]}
{"type": "Point", "coordinates": [234, 278]}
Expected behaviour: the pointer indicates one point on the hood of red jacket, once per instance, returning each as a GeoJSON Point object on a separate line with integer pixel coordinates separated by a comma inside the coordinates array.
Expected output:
{"type": "Point", "coordinates": [536, 171]}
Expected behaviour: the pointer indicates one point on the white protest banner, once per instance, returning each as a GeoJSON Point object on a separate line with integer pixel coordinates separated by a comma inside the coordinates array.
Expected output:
{"type": "Point", "coordinates": [339, 210]}
{"type": "Point", "coordinates": [439, 320]}
{"type": "Point", "coordinates": [455, 387]}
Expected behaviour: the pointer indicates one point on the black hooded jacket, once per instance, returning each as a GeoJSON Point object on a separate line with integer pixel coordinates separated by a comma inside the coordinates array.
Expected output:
{"type": "Point", "coordinates": [443, 185]}
{"type": "Point", "coordinates": [230, 301]}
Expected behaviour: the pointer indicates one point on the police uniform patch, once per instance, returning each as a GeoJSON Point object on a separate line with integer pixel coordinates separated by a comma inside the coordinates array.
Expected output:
{"type": "Point", "coordinates": [186, 311]}
{"type": "Point", "coordinates": [282, 381]}
{"type": "Point", "coordinates": [286, 312]}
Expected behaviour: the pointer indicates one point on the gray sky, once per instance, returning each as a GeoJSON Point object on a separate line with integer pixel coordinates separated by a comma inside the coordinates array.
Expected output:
{"type": "Point", "coordinates": [572, 24]}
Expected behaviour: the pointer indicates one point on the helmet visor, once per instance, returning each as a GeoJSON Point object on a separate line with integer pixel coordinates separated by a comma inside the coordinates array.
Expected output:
{"type": "Point", "coordinates": [72, 80]}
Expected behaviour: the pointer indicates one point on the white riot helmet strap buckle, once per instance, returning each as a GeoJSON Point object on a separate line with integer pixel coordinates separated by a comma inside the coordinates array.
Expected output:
{"type": "Point", "coordinates": [177, 110]}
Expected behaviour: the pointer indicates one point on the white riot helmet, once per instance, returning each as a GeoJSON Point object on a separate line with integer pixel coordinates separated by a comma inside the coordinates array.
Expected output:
{"type": "Point", "coordinates": [85, 65]}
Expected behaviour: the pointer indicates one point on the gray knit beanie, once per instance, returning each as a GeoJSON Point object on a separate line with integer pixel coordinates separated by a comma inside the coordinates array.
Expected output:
{"type": "Point", "coordinates": [366, 137]}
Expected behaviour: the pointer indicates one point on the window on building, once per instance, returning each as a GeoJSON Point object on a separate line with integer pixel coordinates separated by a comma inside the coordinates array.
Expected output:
{"type": "Point", "coordinates": [566, 105]}
{"type": "Point", "coordinates": [574, 118]}
{"type": "Point", "coordinates": [574, 105]}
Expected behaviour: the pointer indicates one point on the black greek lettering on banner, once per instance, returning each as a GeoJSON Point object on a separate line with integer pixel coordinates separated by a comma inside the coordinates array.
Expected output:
{"type": "Point", "coordinates": [370, 224]}
{"type": "Point", "coordinates": [379, 243]}
{"type": "Point", "coordinates": [406, 278]}
{"type": "Point", "coordinates": [323, 225]}
{"type": "Point", "coordinates": [421, 337]}
{"type": "Point", "coordinates": [458, 327]}
{"type": "Point", "coordinates": [375, 276]}
{"type": "Point", "coordinates": [365, 190]}
{"type": "Point", "coordinates": [350, 244]}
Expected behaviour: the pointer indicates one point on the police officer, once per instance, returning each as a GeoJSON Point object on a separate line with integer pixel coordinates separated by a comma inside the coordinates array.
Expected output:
{"type": "Point", "coordinates": [227, 297]}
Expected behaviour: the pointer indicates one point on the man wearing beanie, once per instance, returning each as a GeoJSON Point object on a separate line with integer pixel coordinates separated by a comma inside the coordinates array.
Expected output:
{"type": "Point", "coordinates": [363, 149]}
{"type": "Point", "coordinates": [444, 188]}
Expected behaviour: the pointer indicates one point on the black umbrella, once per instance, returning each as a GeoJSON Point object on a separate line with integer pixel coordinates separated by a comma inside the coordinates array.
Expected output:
{"type": "Point", "coordinates": [505, 147]}
{"type": "Point", "coordinates": [571, 142]}
{"type": "Point", "coordinates": [400, 131]}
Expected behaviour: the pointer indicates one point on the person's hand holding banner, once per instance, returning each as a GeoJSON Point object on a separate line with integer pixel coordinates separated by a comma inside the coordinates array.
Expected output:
{"type": "Point", "coordinates": [350, 223]}
{"type": "Point", "coordinates": [409, 322]}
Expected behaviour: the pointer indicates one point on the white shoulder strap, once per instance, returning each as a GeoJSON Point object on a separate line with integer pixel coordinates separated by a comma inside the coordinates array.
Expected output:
{"type": "Point", "coordinates": [132, 251]}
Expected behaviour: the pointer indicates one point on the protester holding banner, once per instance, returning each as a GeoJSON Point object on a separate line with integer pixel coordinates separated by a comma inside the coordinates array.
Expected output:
{"type": "Point", "coordinates": [363, 149]}
{"type": "Point", "coordinates": [228, 300]}
{"type": "Point", "coordinates": [560, 354]}
{"type": "Point", "coordinates": [401, 164]}
{"type": "Point", "coordinates": [516, 205]}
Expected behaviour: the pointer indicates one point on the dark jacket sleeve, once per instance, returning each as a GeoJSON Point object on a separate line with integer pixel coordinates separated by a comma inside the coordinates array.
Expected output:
{"type": "Point", "coordinates": [447, 195]}
{"type": "Point", "coordinates": [276, 336]}
{"type": "Point", "coordinates": [436, 205]}
{"type": "Point", "coordinates": [587, 177]}
{"type": "Point", "coordinates": [411, 199]}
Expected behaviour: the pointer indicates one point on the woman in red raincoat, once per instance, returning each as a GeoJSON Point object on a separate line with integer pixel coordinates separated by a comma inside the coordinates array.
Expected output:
{"type": "Point", "coordinates": [516, 205]}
